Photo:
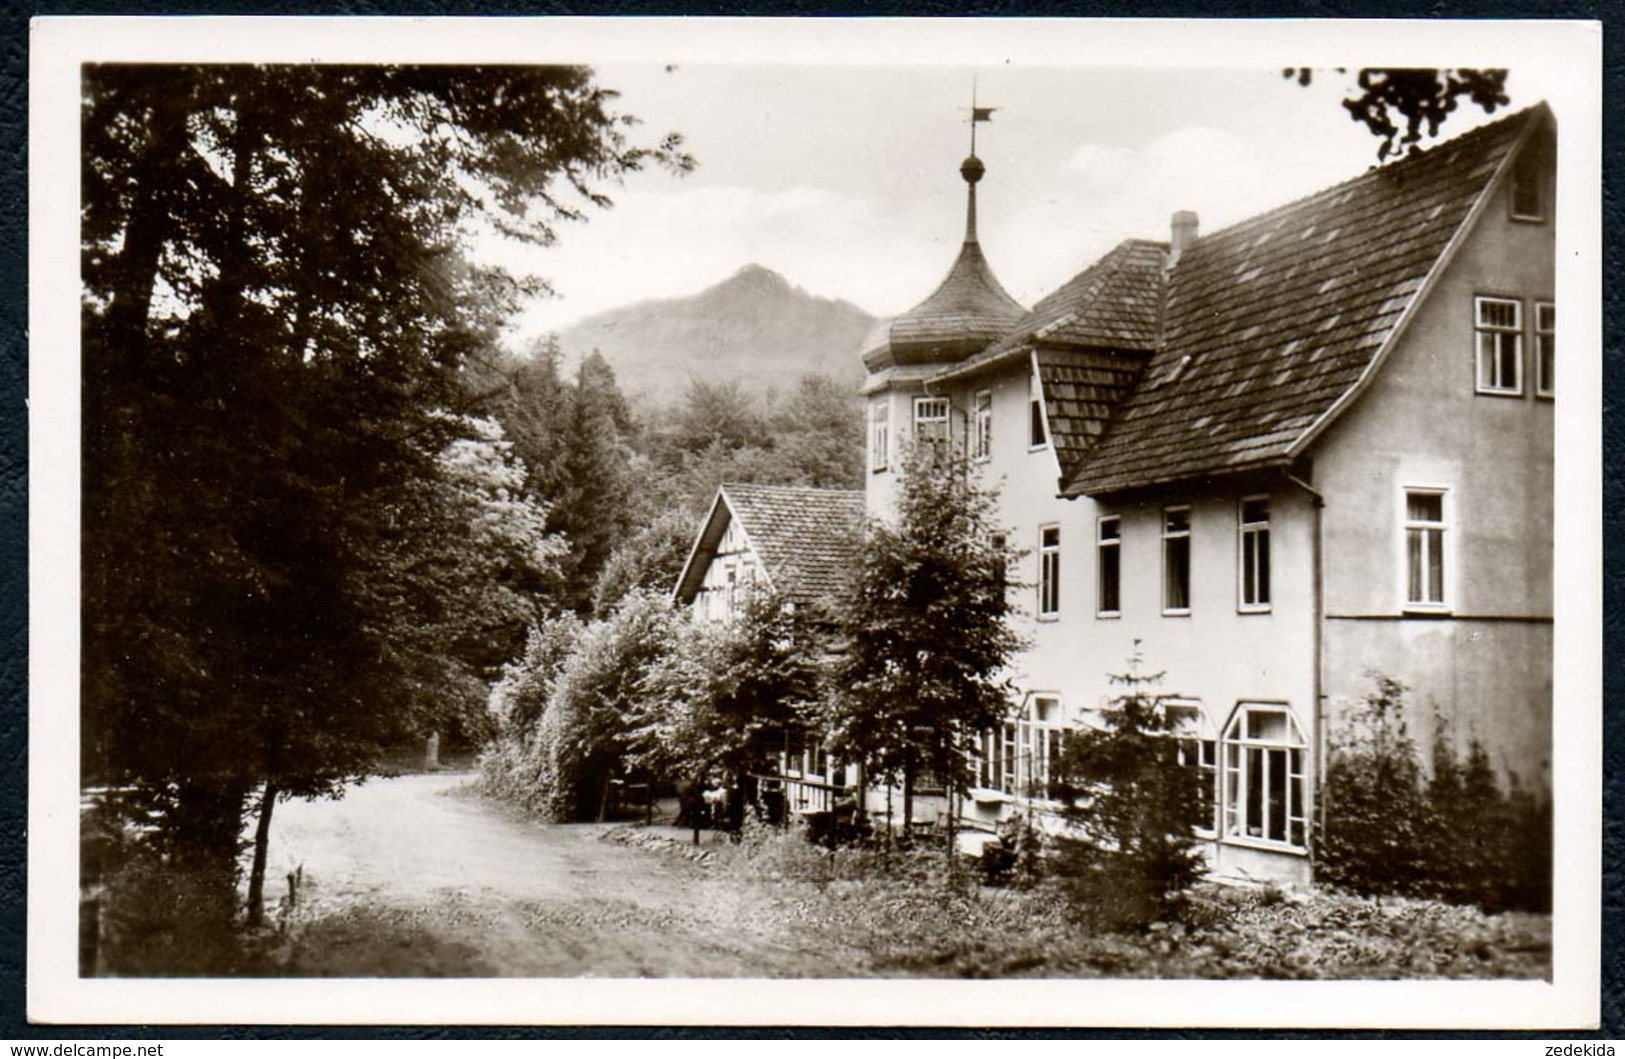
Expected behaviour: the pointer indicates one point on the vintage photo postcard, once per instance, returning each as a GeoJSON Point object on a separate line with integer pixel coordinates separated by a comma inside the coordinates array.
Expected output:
{"type": "Point", "coordinates": [828, 522]}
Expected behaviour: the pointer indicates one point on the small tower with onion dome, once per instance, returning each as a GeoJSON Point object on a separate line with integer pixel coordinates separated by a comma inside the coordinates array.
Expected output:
{"type": "Point", "coordinates": [969, 310]}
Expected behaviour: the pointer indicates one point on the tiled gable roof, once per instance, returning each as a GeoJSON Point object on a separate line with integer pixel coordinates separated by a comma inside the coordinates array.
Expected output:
{"type": "Point", "coordinates": [1112, 304]}
{"type": "Point", "coordinates": [805, 537]}
{"type": "Point", "coordinates": [1269, 323]}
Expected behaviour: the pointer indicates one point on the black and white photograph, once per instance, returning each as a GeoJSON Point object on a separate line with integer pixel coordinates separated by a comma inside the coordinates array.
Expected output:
{"type": "Point", "coordinates": [891, 521]}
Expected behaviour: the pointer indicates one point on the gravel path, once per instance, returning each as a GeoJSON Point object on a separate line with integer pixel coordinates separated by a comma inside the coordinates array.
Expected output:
{"type": "Point", "coordinates": [417, 876]}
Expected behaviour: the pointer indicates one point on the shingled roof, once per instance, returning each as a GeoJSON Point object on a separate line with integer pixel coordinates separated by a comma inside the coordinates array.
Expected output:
{"type": "Point", "coordinates": [1112, 304]}
{"type": "Point", "coordinates": [968, 310]}
{"type": "Point", "coordinates": [806, 538]}
{"type": "Point", "coordinates": [1090, 339]}
{"type": "Point", "coordinates": [1082, 391]}
{"type": "Point", "coordinates": [1269, 324]}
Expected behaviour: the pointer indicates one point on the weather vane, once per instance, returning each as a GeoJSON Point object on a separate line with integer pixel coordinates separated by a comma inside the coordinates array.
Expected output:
{"type": "Point", "coordinates": [977, 114]}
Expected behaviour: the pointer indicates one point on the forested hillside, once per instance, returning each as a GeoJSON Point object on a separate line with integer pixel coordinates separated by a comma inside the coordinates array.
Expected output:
{"type": "Point", "coordinates": [624, 484]}
{"type": "Point", "coordinates": [754, 328]}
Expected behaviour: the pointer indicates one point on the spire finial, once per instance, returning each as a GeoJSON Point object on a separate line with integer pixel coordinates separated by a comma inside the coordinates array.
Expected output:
{"type": "Point", "coordinates": [972, 168]}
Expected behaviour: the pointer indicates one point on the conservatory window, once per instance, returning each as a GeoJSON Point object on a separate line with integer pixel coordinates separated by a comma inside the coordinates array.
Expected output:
{"type": "Point", "coordinates": [1264, 779]}
{"type": "Point", "coordinates": [1199, 746]}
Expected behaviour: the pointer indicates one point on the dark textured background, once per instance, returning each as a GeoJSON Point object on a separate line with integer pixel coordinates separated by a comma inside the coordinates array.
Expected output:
{"type": "Point", "coordinates": [14, 458]}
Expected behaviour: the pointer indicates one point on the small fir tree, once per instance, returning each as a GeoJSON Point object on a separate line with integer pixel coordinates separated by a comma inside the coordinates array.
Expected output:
{"type": "Point", "coordinates": [1132, 803]}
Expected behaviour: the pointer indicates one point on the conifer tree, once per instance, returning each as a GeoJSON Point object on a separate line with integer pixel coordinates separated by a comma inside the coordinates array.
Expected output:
{"type": "Point", "coordinates": [1133, 802]}
{"type": "Point", "coordinates": [925, 632]}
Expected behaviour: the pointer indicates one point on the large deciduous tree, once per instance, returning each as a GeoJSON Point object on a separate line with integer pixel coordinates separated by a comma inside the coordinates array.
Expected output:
{"type": "Point", "coordinates": [275, 311]}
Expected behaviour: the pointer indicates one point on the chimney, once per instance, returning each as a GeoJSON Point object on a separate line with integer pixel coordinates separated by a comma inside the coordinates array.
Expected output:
{"type": "Point", "coordinates": [1182, 235]}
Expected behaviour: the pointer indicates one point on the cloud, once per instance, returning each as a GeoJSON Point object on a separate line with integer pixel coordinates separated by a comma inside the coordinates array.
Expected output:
{"type": "Point", "coordinates": [1042, 225]}
{"type": "Point", "coordinates": [1101, 194]}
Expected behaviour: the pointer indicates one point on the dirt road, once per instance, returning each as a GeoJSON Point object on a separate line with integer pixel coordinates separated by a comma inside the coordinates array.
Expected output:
{"type": "Point", "coordinates": [416, 876]}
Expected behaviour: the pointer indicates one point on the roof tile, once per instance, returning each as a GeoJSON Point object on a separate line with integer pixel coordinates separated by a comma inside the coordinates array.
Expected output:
{"type": "Point", "coordinates": [1269, 322]}
{"type": "Point", "coordinates": [806, 537]}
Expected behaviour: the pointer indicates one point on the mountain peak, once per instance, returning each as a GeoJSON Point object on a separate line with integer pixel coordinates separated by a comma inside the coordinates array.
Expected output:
{"type": "Point", "coordinates": [757, 277]}
{"type": "Point", "coordinates": [755, 327]}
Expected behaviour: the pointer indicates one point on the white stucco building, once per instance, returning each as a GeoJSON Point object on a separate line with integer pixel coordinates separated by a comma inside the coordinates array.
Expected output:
{"type": "Point", "coordinates": [1314, 445]}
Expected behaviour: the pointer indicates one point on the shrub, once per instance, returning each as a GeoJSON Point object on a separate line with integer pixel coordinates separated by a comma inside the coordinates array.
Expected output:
{"type": "Point", "coordinates": [1496, 849]}
{"type": "Point", "coordinates": [1378, 817]}
{"type": "Point", "coordinates": [724, 697]}
{"type": "Point", "coordinates": [587, 682]}
{"type": "Point", "coordinates": [1456, 835]}
{"type": "Point", "coordinates": [1016, 856]}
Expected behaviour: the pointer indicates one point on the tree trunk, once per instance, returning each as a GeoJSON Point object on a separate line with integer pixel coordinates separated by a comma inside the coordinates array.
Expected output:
{"type": "Point", "coordinates": [948, 817]}
{"type": "Point", "coordinates": [860, 816]}
{"type": "Point", "coordinates": [262, 843]}
{"type": "Point", "coordinates": [908, 803]}
{"type": "Point", "coordinates": [151, 221]}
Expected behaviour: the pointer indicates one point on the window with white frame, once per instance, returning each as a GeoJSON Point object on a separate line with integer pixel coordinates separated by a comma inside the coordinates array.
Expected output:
{"type": "Point", "coordinates": [1254, 529]}
{"type": "Point", "coordinates": [1049, 571]}
{"type": "Point", "coordinates": [879, 436]}
{"type": "Point", "coordinates": [1040, 737]}
{"type": "Point", "coordinates": [1016, 757]}
{"type": "Point", "coordinates": [931, 423]}
{"type": "Point", "coordinates": [998, 765]}
{"type": "Point", "coordinates": [1108, 566]}
{"type": "Point", "coordinates": [1424, 548]}
{"type": "Point", "coordinates": [1264, 792]}
{"type": "Point", "coordinates": [1526, 197]}
{"type": "Point", "coordinates": [1176, 560]}
{"type": "Point", "coordinates": [1198, 745]}
{"type": "Point", "coordinates": [982, 438]}
{"type": "Point", "coordinates": [1545, 349]}
{"type": "Point", "coordinates": [1498, 331]}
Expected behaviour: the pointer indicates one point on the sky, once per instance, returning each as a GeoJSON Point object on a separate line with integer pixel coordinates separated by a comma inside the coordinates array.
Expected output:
{"type": "Point", "coordinates": [845, 179]}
